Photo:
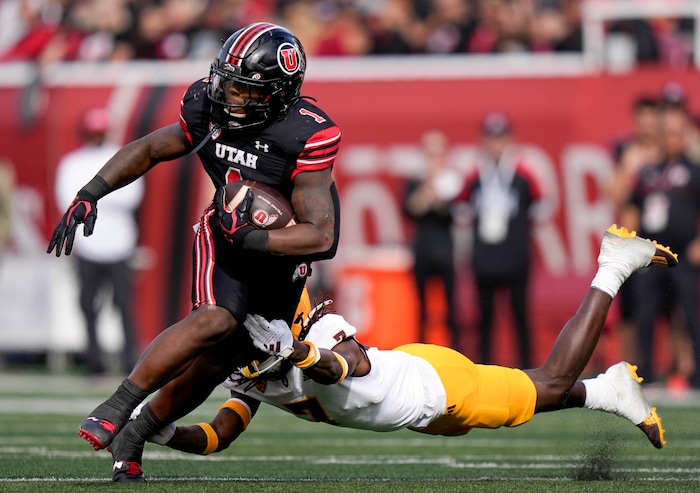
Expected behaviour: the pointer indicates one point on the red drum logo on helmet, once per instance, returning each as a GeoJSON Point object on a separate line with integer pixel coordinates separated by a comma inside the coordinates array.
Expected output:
{"type": "Point", "coordinates": [288, 58]}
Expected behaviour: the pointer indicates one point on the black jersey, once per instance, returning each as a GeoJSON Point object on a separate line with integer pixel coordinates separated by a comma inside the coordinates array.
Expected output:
{"type": "Point", "coordinates": [668, 196]}
{"type": "Point", "coordinates": [243, 281]}
{"type": "Point", "coordinates": [306, 139]}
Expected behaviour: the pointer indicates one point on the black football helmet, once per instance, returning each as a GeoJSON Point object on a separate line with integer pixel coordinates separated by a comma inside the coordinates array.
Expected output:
{"type": "Point", "coordinates": [263, 63]}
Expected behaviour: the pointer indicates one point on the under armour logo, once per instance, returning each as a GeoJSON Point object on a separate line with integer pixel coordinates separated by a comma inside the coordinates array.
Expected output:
{"type": "Point", "coordinates": [261, 147]}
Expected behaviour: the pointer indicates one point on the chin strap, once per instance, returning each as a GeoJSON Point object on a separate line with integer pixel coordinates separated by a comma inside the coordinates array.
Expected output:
{"type": "Point", "coordinates": [202, 143]}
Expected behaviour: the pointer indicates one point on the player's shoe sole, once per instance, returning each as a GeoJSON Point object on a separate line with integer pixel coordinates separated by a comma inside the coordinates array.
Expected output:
{"type": "Point", "coordinates": [631, 403]}
{"type": "Point", "coordinates": [98, 432]}
{"type": "Point", "coordinates": [663, 256]}
{"type": "Point", "coordinates": [653, 429]}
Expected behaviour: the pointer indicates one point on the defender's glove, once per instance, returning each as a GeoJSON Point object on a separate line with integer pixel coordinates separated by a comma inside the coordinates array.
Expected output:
{"type": "Point", "coordinates": [83, 210]}
{"type": "Point", "coordinates": [273, 337]}
{"type": "Point", "coordinates": [235, 224]}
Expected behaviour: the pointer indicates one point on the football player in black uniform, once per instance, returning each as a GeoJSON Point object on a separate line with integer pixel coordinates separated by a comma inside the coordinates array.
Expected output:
{"type": "Point", "coordinates": [248, 121]}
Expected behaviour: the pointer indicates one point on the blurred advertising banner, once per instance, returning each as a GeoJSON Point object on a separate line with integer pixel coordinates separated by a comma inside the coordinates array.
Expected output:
{"type": "Point", "coordinates": [566, 122]}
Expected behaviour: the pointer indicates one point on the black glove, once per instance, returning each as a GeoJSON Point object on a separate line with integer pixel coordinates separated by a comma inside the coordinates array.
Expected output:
{"type": "Point", "coordinates": [235, 224]}
{"type": "Point", "coordinates": [83, 210]}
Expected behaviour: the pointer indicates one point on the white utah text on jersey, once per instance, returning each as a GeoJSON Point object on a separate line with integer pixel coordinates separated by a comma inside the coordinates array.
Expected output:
{"type": "Point", "coordinates": [237, 156]}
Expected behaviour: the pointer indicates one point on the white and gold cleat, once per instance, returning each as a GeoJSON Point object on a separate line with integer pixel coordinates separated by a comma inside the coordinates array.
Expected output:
{"type": "Point", "coordinates": [627, 243]}
{"type": "Point", "coordinates": [629, 401]}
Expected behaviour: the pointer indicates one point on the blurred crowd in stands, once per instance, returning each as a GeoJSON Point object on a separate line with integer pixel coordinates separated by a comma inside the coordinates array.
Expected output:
{"type": "Point", "coordinates": [101, 30]}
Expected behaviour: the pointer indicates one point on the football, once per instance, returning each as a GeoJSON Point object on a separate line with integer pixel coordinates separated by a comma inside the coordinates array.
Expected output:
{"type": "Point", "coordinates": [270, 209]}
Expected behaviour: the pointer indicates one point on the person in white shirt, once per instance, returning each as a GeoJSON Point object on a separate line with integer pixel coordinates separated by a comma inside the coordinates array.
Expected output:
{"type": "Point", "coordinates": [325, 374]}
{"type": "Point", "coordinates": [104, 260]}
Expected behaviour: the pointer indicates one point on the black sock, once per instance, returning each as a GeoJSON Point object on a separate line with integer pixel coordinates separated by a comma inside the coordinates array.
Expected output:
{"type": "Point", "coordinates": [147, 423]}
{"type": "Point", "coordinates": [119, 406]}
{"type": "Point", "coordinates": [129, 443]}
{"type": "Point", "coordinates": [127, 396]}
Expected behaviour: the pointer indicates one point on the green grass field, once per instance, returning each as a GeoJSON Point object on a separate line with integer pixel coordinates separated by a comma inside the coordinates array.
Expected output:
{"type": "Point", "coordinates": [573, 450]}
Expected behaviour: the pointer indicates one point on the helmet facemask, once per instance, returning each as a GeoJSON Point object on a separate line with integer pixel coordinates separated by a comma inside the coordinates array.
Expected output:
{"type": "Point", "coordinates": [233, 92]}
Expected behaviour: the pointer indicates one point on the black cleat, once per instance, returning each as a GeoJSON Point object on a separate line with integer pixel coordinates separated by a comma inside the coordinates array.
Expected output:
{"type": "Point", "coordinates": [98, 432]}
{"type": "Point", "coordinates": [127, 472]}
{"type": "Point", "coordinates": [127, 452]}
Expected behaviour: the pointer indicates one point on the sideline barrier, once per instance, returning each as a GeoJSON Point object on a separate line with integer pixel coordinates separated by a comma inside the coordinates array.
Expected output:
{"type": "Point", "coordinates": [566, 116]}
